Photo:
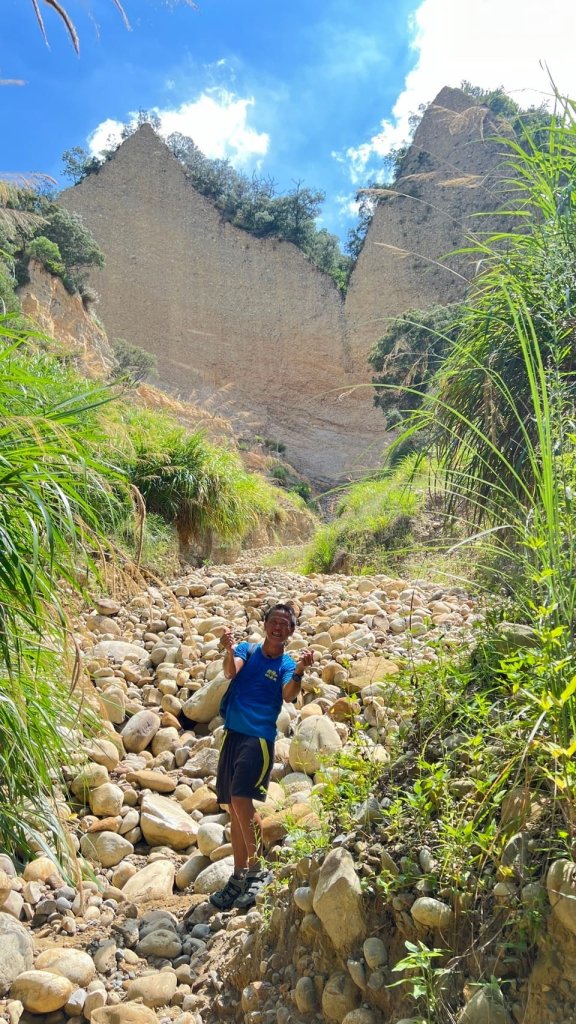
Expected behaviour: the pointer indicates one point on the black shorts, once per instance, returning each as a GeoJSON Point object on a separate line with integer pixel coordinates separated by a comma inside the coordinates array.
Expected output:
{"type": "Point", "coordinates": [244, 767]}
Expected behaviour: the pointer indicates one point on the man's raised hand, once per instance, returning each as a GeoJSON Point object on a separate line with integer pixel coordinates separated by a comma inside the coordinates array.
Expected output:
{"type": "Point", "coordinates": [305, 660]}
{"type": "Point", "coordinates": [227, 640]}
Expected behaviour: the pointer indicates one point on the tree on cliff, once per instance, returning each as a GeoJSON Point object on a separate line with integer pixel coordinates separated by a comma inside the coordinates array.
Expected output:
{"type": "Point", "coordinates": [25, 218]}
{"type": "Point", "coordinates": [250, 203]}
{"type": "Point", "coordinates": [408, 355]}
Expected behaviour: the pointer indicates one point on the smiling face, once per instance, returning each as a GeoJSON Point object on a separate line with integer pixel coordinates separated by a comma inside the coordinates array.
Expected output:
{"type": "Point", "coordinates": [278, 627]}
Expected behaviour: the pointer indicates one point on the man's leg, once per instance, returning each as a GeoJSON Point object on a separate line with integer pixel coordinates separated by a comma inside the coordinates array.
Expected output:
{"type": "Point", "coordinates": [239, 848]}
{"type": "Point", "coordinates": [244, 815]}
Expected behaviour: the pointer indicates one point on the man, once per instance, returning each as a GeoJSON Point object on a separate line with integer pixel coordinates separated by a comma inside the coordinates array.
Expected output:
{"type": "Point", "coordinates": [262, 676]}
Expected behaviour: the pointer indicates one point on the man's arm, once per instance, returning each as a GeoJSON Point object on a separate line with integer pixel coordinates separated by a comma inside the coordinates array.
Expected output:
{"type": "Point", "coordinates": [291, 689]}
{"type": "Point", "coordinates": [231, 664]}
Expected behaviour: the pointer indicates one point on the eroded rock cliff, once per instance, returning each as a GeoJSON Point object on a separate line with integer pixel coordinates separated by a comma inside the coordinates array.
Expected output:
{"type": "Point", "coordinates": [249, 324]}
{"type": "Point", "coordinates": [248, 320]}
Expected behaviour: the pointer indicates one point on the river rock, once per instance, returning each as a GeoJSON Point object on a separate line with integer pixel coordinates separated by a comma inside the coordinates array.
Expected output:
{"type": "Point", "coordinates": [339, 997]}
{"type": "Point", "coordinates": [16, 951]}
{"type": "Point", "coordinates": [155, 881]}
{"type": "Point", "coordinates": [485, 1007]}
{"type": "Point", "coordinates": [210, 836]}
{"type": "Point", "coordinates": [375, 953]}
{"type": "Point", "coordinates": [106, 848]}
{"type": "Point", "coordinates": [140, 730]}
{"type": "Point", "coordinates": [338, 901]}
{"type": "Point", "coordinates": [114, 703]}
{"type": "Point", "coordinates": [103, 751]}
{"type": "Point", "coordinates": [432, 913]}
{"type": "Point", "coordinates": [118, 650]}
{"type": "Point", "coordinates": [203, 800]}
{"type": "Point", "coordinates": [147, 778]}
{"type": "Point", "coordinates": [73, 964]}
{"type": "Point", "coordinates": [315, 739]}
{"type": "Point", "coordinates": [124, 1013]}
{"type": "Point", "coordinates": [561, 886]}
{"type": "Point", "coordinates": [189, 871]}
{"type": "Point", "coordinates": [160, 942]}
{"type": "Point", "coordinates": [204, 705]}
{"type": "Point", "coordinates": [153, 989]}
{"type": "Point", "coordinates": [42, 991]}
{"type": "Point", "coordinates": [165, 823]}
{"type": "Point", "coordinates": [106, 800]}
{"type": "Point", "coordinates": [305, 995]}
{"type": "Point", "coordinates": [91, 776]}
{"type": "Point", "coordinates": [214, 877]}
{"type": "Point", "coordinates": [203, 763]}
{"type": "Point", "coordinates": [362, 1015]}
{"type": "Point", "coordinates": [40, 870]}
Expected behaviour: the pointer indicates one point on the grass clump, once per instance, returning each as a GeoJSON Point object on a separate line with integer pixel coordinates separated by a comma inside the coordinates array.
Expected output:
{"type": "Point", "coordinates": [53, 488]}
{"type": "Point", "coordinates": [373, 522]}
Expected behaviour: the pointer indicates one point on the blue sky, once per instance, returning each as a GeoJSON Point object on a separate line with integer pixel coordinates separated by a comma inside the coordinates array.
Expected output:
{"type": "Point", "coordinates": [316, 91]}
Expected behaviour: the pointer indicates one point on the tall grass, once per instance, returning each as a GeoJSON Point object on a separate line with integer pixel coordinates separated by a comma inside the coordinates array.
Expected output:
{"type": "Point", "coordinates": [52, 487]}
{"type": "Point", "coordinates": [200, 488]}
{"type": "Point", "coordinates": [373, 521]}
{"type": "Point", "coordinates": [500, 420]}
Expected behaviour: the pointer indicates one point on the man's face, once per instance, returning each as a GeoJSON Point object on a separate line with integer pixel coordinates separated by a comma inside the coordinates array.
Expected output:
{"type": "Point", "coordinates": [278, 627]}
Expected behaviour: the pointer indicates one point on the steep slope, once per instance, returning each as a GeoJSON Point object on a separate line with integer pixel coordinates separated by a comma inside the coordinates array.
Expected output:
{"type": "Point", "coordinates": [450, 174]}
{"type": "Point", "coordinates": [248, 320]}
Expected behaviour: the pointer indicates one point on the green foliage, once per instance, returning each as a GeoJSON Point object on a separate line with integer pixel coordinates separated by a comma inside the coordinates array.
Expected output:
{"type": "Point", "coordinates": [133, 362]}
{"type": "Point", "coordinates": [8, 299]}
{"type": "Point", "coordinates": [53, 490]}
{"type": "Point", "coordinates": [35, 227]}
{"type": "Point", "coordinates": [499, 418]}
{"type": "Point", "coordinates": [78, 163]}
{"type": "Point", "coordinates": [200, 488]}
{"type": "Point", "coordinates": [409, 354]}
{"type": "Point", "coordinates": [47, 253]}
{"type": "Point", "coordinates": [250, 203]}
{"type": "Point", "coordinates": [423, 978]}
{"type": "Point", "coordinates": [373, 521]}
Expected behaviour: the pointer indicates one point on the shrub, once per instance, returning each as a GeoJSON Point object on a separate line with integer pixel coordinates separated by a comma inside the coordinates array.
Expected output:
{"type": "Point", "coordinates": [133, 362]}
{"type": "Point", "coordinates": [47, 253]}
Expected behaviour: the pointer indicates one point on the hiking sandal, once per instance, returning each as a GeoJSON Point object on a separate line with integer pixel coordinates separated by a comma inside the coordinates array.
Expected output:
{"type": "Point", "coordinates": [253, 884]}
{"type": "Point", "coordinates": [225, 899]}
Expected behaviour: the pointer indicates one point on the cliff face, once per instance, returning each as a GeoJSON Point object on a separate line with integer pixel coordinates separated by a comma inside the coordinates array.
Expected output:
{"type": "Point", "coordinates": [247, 320]}
{"type": "Point", "coordinates": [249, 325]}
{"type": "Point", "coordinates": [449, 175]}
{"type": "Point", "coordinates": [60, 315]}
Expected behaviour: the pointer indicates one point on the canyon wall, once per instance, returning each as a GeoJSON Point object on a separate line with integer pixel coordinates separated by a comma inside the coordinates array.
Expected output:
{"type": "Point", "coordinates": [249, 326]}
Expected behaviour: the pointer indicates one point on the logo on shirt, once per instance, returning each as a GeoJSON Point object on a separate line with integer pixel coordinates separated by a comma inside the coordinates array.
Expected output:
{"type": "Point", "coordinates": [271, 674]}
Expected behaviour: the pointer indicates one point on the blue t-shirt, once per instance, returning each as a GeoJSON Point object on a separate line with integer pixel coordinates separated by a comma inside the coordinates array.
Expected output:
{"type": "Point", "coordinates": [255, 694]}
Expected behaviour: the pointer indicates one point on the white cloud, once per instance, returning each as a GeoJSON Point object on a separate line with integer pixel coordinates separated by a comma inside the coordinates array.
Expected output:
{"type": "Point", "coordinates": [105, 136]}
{"type": "Point", "coordinates": [217, 121]}
{"type": "Point", "coordinates": [490, 43]}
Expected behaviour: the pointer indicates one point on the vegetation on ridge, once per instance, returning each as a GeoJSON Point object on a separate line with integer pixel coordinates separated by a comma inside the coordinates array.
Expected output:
{"type": "Point", "coordinates": [250, 203]}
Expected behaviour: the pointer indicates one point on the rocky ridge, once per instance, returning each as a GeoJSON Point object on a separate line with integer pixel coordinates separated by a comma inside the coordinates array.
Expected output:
{"type": "Point", "coordinates": [137, 940]}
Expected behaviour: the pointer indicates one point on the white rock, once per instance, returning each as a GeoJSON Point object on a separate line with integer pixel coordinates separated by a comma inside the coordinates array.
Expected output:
{"type": "Point", "coordinates": [106, 848]}
{"type": "Point", "coordinates": [73, 964]}
{"type": "Point", "coordinates": [203, 705]}
{"type": "Point", "coordinates": [315, 739]}
{"type": "Point", "coordinates": [214, 877]}
{"type": "Point", "coordinates": [338, 901]}
{"type": "Point", "coordinates": [140, 730]}
{"type": "Point", "coordinates": [154, 882]}
{"type": "Point", "coordinates": [42, 991]}
{"type": "Point", "coordinates": [16, 951]}
{"type": "Point", "coordinates": [210, 836]}
{"type": "Point", "coordinates": [106, 800]}
{"type": "Point", "coordinates": [165, 823]}
{"type": "Point", "coordinates": [432, 913]}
